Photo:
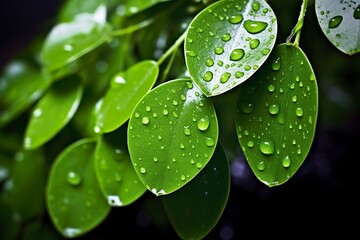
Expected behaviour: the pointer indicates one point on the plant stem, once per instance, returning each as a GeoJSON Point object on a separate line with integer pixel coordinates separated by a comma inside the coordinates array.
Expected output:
{"type": "Point", "coordinates": [132, 28]}
{"type": "Point", "coordinates": [297, 29]}
{"type": "Point", "coordinates": [172, 48]}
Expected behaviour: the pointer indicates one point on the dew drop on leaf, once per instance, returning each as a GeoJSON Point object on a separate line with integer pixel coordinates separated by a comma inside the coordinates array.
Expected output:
{"type": "Point", "coordinates": [73, 178]}
{"type": "Point", "coordinates": [235, 19]}
{"type": "Point", "coordinates": [255, 27]}
{"type": "Point", "coordinates": [237, 54]}
{"type": "Point", "coordinates": [267, 147]}
{"type": "Point", "coordinates": [357, 12]}
{"type": "Point", "coordinates": [203, 123]}
{"type": "Point", "coordinates": [335, 21]}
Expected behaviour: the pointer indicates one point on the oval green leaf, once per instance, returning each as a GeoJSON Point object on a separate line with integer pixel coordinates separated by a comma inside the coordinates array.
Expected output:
{"type": "Point", "coordinates": [172, 135]}
{"type": "Point", "coordinates": [227, 42]}
{"type": "Point", "coordinates": [69, 41]}
{"type": "Point", "coordinates": [54, 110]}
{"type": "Point", "coordinates": [276, 115]}
{"type": "Point", "coordinates": [340, 22]}
{"type": "Point", "coordinates": [117, 178]}
{"type": "Point", "coordinates": [75, 202]}
{"type": "Point", "coordinates": [194, 218]}
{"type": "Point", "coordinates": [125, 91]}
{"type": "Point", "coordinates": [20, 86]}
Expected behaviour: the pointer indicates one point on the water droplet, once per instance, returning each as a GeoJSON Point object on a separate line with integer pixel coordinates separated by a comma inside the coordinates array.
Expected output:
{"type": "Point", "coordinates": [218, 50]}
{"type": "Point", "coordinates": [239, 74]}
{"type": "Point", "coordinates": [247, 107]}
{"type": "Point", "coordinates": [237, 54]}
{"type": "Point", "coordinates": [203, 123]}
{"type": "Point", "coordinates": [118, 177]}
{"type": "Point", "coordinates": [208, 76]}
{"type": "Point", "coordinates": [187, 130]}
{"type": "Point", "coordinates": [209, 62]}
{"type": "Point", "coordinates": [143, 170]}
{"type": "Point", "coordinates": [299, 111]}
{"type": "Point", "coordinates": [254, 43]}
{"type": "Point", "coordinates": [175, 103]}
{"type": "Point", "coordinates": [274, 109]}
{"type": "Point", "coordinates": [37, 112]}
{"type": "Point", "coordinates": [247, 68]}
{"type": "Point", "coordinates": [190, 40]}
{"type": "Point", "coordinates": [226, 37]}
{"type": "Point", "coordinates": [312, 77]}
{"type": "Point", "coordinates": [335, 21]}
{"type": "Point", "coordinates": [276, 65]}
{"type": "Point", "coordinates": [357, 12]}
{"type": "Point", "coordinates": [261, 166]}
{"type": "Point", "coordinates": [209, 142]}
{"type": "Point", "coordinates": [148, 108]}
{"type": "Point", "coordinates": [254, 26]}
{"type": "Point", "coordinates": [189, 84]}
{"type": "Point", "coordinates": [225, 77]}
{"type": "Point", "coordinates": [294, 98]}
{"type": "Point", "coordinates": [265, 51]}
{"type": "Point", "coordinates": [191, 53]}
{"type": "Point", "coordinates": [73, 178]}
{"type": "Point", "coordinates": [286, 161]}
{"type": "Point", "coordinates": [182, 146]}
{"type": "Point", "coordinates": [271, 88]}
{"type": "Point", "coordinates": [250, 144]}
{"type": "Point", "coordinates": [255, 6]}
{"type": "Point", "coordinates": [68, 47]}
{"type": "Point", "coordinates": [199, 165]}
{"type": "Point", "coordinates": [235, 19]}
{"type": "Point", "coordinates": [182, 177]}
{"type": "Point", "coordinates": [267, 147]}
{"type": "Point", "coordinates": [145, 120]}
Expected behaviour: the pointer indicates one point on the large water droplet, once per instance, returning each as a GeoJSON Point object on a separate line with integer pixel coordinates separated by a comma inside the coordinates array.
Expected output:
{"type": "Point", "coordinates": [267, 147]}
{"type": "Point", "coordinates": [335, 21]}
{"type": "Point", "coordinates": [237, 54]}
{"type": "Point", "coordinates": [226, 37]}
{"type": "Point", "coordinates": [254, 26]}
{"type": "Point", "coordinates": [218, 50]}
{"type": "Point", "coordinates": [191, 53]}
{"type": "Point", "coordinates": [357, 12]}
{"type": "Point", "coordinates": [209, 62]}
{"type": "Point", "coordinates": [261, 166]}
{"type": "Point", "coordinates": [254, 43]}
{"type": "Point", "coordinates": [143, 170]}
{"type": "Point", "coordinates": [209, 142]}
{"type": "Point", "coordinates": [276, 65]}
{"type": "Point", "coordinates": [203, 123]}
{"type": "Point", "coordinates": [187, 130]}
{"type": "Point", "coordinates": [255, 6]}
{"type": "Point", "coordinates": [274, 109]}
{"type": "Point", "coordinates": [286, 161]}
{"type": "Point", "coordinates": [235, 19]}
{"type": "Point", "coordinates": [299, 111]}
{"type": "Point", "coordinates": [225, 77]}
{"type": "Point", "coordinates": [208, 76]}
{"type": "Point", "coordinates": [73, 178]}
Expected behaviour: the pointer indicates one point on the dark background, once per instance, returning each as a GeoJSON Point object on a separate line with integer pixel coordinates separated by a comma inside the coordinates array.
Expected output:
{"type": "Point", "coordinates": [322, 197]}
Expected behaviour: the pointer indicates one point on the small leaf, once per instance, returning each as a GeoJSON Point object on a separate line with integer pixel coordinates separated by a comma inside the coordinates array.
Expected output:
{"type": "Point", "coordinates": [117, 178]}
{"type": "Point", "coordinates": [54, 110]}
{"type": "Point", "coordinates": [125, 91]}
{"type": "Point", "coordinates": [276, 115]}
{"type": "Point", "coordinates": [69, 41]}
{"type": "Point", "coordinates": [227, 42]}
{"type": "Point", "coordinates": [340, 22]}
{"type": "Point", "coordinates": [172, 135]}
{"type": "Point", "coordinates": [74, 200]}
{"type": "Point", "coordinates": [20, 86]}
{"type": "Point", "coordinates": [209, 191]}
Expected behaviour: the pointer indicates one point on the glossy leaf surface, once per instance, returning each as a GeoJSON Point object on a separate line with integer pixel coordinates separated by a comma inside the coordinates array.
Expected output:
{"type": "Point", "coordinates": [194, 217]}
{"type": "Point", "coordinates": [125, 91]}
{"type": "Point", "coordinates": [172, 135]}
{"type": "Point", "coordinates": [75, 202]}
{"type": "Point", "coordinates": [227, 42]}
{"type": "Point", "coordinates": [134, 6]}
{"type": "Point", "coordinates": [340, 22]}
{"type": "Point", "coordinates": [20, 86]}
{"type": "Point", "coordinates": [117, 178]}
{"type": "Point", "coordinates": [69, 41]}
{"type": "Point", "coordinates": [276, 115]}
{"type": "Point", "coordinates": [73, 9]}
{"type": "Point", "coordinates": [54, 110]}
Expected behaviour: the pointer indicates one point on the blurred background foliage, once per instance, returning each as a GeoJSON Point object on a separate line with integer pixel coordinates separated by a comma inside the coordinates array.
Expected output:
{"type": "Point", "coordinates": [320, 198]}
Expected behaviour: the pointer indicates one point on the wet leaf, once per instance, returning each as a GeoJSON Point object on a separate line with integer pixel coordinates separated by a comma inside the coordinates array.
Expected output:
{"type": "Point", "coordinates": [73, 9]}
{"type": "Point", "coordinates": [227, 42]}
{"type": "Point", "coordinates": [209, 191]}
{"type": "Point", "coordinates": [69, 41]}
{"type": "Point", "coordinates": [340, 22]}
{"type": "Point", "coordinates": [74, 200]}
{"type": "Point", "coordinates": [20, 86]}
{"type": "Point", "coordinates": [276, 115]}
{"type": "Point", "coordinates": [54, 110]}
{"type": "Point", "coordinates": [117, 178]}
{"type": "Point", "coordinates": [131, 7]}
{"type": "Point", "coordinates": [172, 135]}
{"type": "Point", "coordinates": [125, 91]}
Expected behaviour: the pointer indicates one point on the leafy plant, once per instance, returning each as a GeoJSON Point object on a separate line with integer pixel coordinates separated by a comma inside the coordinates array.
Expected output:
{"type": "Point", "coordinates": [109, 111]}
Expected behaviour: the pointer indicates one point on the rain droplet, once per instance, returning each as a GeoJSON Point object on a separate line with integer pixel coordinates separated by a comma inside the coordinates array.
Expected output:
{"type": "Point", "coordinates": [250, 144]}
{"type": "Point", "coordinates": [37, 112]}
{"type": "Point", "coordinates": [335, 21]}
{"type": "Point", "coordinates": [165, 112]}
{"type": "Point", "coordinates": [148, 108]}
{"type": "Point", "coordinates": [271, 88]}
{"type": "Point", "coordinates": [182, 177]}
{"type": "Point", "coordinates": [203, 123]}
{"type": "Point", "coordinates": [237, 54]}
{"type": "Point", "coordinates": [261, 166]}
{"type": "Point", "coordinates": [255, 6]}
{"type": "Point", "coordinates": [226, 37]}
{"type": "Point", "coordinates": [219, 50]}
{"type": "Point", "coordinates": [254, 27]}
{"type": "Point", "coordinates": [299, 111]}
{"type": "Point", "coordinates": [276, 65]}
{"type": "Point", "coordinates": [143, 170]}
{"type": "Point", "coordinates": [274, 109]}
{"type": "Point", "coordinates": [357, 12]}
{"type": "Point", "coordinates": [187, 130]}
{"type": "Point", "coordinates": [247, 107]}
{"type": "Point", "coordinates": [225, 77]}
{"type": "Point", "coordinates": [235, 19]}
{"type": "Point", "coordinates": [286, 161]}
{"type": "Point", "coordinates": [189, 84]}
{"type": "Point", "coordinates": [239, 74]}
{"type": "Point", "coordinates": [145, 120]}
{"type": "Point", "coordinates": [208, 76]}
{"type": "Point", "coordinates": [265, 51]}
{"type": "Point", "coordinates": [209, 142]}
{"type": "Point", "coordinates": [191, 53]}
{"type": "Point", "coordinates": [267, 147]}
{"type": "Point", "coordinates": [199, 165]}
{"type": "Point", "coordinates": [73, 178]}
{"type": "Point", "coordinates": [254, 43]}
{"type": "Point", "coordinates": [209, 62]}
{"type": "Point", "coordinates": [68, 47]}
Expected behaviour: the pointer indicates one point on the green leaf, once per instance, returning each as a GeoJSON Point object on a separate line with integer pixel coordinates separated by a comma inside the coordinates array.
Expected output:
{"type": "Point", "coordinates": [73, 9]}
{"type": "Point", "coordinates": [69, 41]}
{"type": "Point", "coordinates": [74, 200]}
{"type": "Point", "coordinates": [54, 110]}
{"type": "Point", "coordinates": [24, 192]}
{"type": "Point", "coordinates": [172, 135]}
{"type": "Point", "coordinates": [131, 7]}
{"type": "Point", "coordinates": [117, 178]}
{"type": "Point", "coordinates": [209, 191]}
{"type": "Point", "coordinates": [125, 91]}
{"type": "Point", "coordinates": [227, 42]}
{"type": "Point", "coordinates": [340, 22]}
{"type": "Point", "coordinates": [276, 115]}
{"type": "Point", "coordinates": [20, 86]}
